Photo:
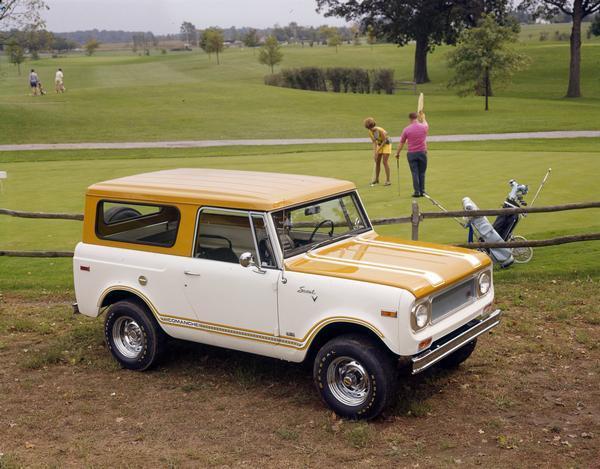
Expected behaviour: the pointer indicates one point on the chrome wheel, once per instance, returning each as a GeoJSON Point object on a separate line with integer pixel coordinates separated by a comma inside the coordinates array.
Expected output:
{"type": "Point", "coordinates": [348, 381]}
{"type": "Point", "coordinates": [128, 337]}
{"type": "Point", "coordinates": [521, 255]}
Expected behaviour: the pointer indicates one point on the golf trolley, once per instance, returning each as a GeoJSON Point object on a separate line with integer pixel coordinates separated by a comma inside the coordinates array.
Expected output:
{"type": "Point", "coordinates": [503, 227]}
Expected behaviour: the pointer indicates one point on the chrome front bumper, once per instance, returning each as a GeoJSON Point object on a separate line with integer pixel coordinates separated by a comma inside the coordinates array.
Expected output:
{"type": "Point", "coordinates": [446, 345]}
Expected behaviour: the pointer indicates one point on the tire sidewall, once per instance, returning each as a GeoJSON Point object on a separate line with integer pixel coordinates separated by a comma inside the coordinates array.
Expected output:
{"type": "Point", "coordinates": [150, 335]}
{"type": "Point", "coordinates": [365, 353]}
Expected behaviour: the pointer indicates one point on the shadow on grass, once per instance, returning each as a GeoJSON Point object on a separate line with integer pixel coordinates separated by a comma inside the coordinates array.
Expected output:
{"type": "Point", "coordinates": [293, 381]}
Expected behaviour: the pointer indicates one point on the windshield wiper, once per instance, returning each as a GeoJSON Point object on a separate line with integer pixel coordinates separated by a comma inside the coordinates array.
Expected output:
{"type": "Point", "coordinates": [330, 240]}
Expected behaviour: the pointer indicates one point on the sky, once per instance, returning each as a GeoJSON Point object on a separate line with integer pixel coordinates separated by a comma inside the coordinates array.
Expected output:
{"type": "Point", "coordinates": [165, 16]}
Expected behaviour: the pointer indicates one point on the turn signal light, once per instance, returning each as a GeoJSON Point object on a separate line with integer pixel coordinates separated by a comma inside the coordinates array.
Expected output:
{"type": "Point", "coordinates": [389, 314]}
{"type": "Point", "coordinates": [425, 343]}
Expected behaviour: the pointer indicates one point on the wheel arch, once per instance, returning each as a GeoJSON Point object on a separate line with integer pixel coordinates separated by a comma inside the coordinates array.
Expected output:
{"type": "Point", "coordinates": [337, 328]}
{"type": "Point", "coordinates": [118, 293]}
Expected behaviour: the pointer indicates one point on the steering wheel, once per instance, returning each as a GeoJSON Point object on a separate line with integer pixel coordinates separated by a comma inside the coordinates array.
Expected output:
{"type": "Point", "coordinates": [312, 235]}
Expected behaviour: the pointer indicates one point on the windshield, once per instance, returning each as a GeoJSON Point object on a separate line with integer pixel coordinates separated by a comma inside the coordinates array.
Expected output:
{"type": "Point", "coordinates": [301, 228]}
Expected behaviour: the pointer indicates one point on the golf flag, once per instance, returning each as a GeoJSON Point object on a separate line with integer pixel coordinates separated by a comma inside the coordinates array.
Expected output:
{"type": "Point", "coordinates": [420, 106]}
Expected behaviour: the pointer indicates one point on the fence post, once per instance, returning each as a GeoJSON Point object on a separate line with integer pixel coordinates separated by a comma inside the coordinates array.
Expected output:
{"type": "Point", "coordinates": [415, 219]}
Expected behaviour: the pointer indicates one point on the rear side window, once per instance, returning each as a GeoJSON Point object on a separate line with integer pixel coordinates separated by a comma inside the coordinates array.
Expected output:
{"type": "Point", "coordinates": [155, 225]}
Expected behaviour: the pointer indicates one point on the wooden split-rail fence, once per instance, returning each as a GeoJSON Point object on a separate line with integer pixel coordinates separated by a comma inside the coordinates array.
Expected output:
{"type": "Point", "coordinates": [415, 219]}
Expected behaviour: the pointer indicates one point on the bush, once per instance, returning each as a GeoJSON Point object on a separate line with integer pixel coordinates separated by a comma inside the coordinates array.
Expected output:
{"type": "Point", "coordinates": [275, 79]}
{"type": "Point", "coordinates": [543, 36]}
{"type": "Point", "coordinates": [335, 76]}
{"type": "Point", "coordinates": [558, 36]}
{"type": "Point", "coordinates": [383, 80]}
{"type": "Point", "coordinates": [336, 79]}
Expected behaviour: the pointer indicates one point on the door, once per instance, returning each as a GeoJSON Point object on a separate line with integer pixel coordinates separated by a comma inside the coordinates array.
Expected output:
{"type": "Point", "coordinates": [236, 306]}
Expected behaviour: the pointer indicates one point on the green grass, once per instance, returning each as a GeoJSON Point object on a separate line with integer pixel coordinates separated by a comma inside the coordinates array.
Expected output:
{"type": "Point", "coordinates": [118, 96]}
{"type": "Point", "coordinates": [123, 97]}
{"type": "Point", "coordinates": [478, 170]}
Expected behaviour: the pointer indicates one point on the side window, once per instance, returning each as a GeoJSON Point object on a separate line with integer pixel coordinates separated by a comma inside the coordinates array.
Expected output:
{"type": "Point", "coordinates": [223, 236]}
{"type": "Point", "coordinates": [265, 247]}
{"type": "Point", "coordinates": [137, 223]}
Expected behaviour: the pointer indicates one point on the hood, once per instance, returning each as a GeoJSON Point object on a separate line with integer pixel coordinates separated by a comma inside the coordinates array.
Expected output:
{"type": "Point", "coordinates": [418, 267]}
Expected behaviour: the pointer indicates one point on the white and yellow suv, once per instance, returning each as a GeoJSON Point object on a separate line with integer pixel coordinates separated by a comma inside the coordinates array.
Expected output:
{"type": "Point", "coordinates": [281, 265]}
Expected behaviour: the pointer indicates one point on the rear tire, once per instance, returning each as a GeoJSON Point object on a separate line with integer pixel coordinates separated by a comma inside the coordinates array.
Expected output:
{"type": "Point", "coordinates": [355, 376]}
{"type": "Point", "coordinates": [133, 336]}
{"type": "Point", "coordinates": [453, 360]}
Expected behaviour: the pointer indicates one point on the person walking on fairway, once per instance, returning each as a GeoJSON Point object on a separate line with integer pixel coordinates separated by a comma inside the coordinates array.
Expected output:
{"type": "Point", "coordinates": [33, 82]}
{"type": "Point", "coordinates": [416, 135]}
{"type": "Point", "coordinates": [59, 84]}
{"type": "Point", "coordinates": [382, 148]}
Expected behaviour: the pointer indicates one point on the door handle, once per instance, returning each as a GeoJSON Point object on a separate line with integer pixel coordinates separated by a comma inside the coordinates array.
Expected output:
{"type": "Point", "coordinates": [193, 274]}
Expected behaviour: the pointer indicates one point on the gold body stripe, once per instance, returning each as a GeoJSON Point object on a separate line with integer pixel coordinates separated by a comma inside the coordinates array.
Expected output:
{"type": "Point", "coordinates": [240, 333]}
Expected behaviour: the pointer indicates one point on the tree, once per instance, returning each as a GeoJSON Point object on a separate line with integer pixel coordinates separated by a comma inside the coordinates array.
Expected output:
{"type": "Point", "coordinates": [212, 41]}
{"type": "Point", "coordinates": [144, 41]}
{"type": "Point", "coordinates": [371, 37]}
{"type": "Point", "coordinates": [19, 13]}
{"type": "Point", "coordinates": [355, 31]}
{"type": "Point", "coordinates": [270, 54]}
{"type": "Point", "coordinates": [577, 10]}
{"type": "Point", "coordinates": [594, 28]}
{"type": "Point", "coordinates": [427, 22]}
{"type": "Point", "coordinates": [333, 38]}
{"type": "Point", "coordinates": [189, 33]}
{"type": "Point", "coordinates": [15, 53]}
{"type": "Point", "coordinates": [60, 44]}
{"type": "Point", "coordinates": [90, 46]}
{"type": "Point", "coordinates": [250, 39]}
{"type": "Point", "coordinates": [36, 40]}
{"type": "Point", "coordinates": [485, 54]}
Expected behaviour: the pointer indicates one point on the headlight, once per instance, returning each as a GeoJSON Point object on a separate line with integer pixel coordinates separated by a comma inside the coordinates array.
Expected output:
{"type": "Point", "coordinates": [484, 283]}
{"type": "Point", "coordinates": [420, 316]}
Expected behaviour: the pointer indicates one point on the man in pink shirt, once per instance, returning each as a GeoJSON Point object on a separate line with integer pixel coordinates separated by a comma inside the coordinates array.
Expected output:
{"type": "Point", "coordinates": [416, 135]}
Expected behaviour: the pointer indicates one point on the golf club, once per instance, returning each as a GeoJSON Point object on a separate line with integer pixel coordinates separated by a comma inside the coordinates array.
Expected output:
{"type": "Point", "coordinates": [437, 204]}
{"type": "Point", "coordinates": [541, 185]}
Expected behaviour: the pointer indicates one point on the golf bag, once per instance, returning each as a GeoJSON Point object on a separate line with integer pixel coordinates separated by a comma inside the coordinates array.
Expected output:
{"type": "Point", "coordinates": [487, 233]}
{"type": "Point", "coordinates": [506, 224]}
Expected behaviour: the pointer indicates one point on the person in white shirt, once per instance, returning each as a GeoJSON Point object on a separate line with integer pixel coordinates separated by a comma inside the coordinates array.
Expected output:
{"type": "Point", "coordinates": [59, 81]}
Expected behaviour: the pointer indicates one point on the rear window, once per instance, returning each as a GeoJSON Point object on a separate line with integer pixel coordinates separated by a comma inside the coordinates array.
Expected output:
{"type": "Point", "coordinates": [155, 225]}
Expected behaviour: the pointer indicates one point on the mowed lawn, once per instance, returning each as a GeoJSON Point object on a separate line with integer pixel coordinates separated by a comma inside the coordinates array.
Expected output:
{"type": "Point", "coordinates": [119, 96]}
{"type": "Point", "coordinates": [456, 170]}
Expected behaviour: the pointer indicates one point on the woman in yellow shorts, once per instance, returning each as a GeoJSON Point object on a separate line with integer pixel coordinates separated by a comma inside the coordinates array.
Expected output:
{"type": "Point", "coordinates": [382, 147]}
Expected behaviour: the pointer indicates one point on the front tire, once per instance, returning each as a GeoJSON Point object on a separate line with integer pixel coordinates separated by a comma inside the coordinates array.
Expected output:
{"type": "Point", "coordinates": [133, 336]}
{"type": "Point", "coordinates": [355, 376]}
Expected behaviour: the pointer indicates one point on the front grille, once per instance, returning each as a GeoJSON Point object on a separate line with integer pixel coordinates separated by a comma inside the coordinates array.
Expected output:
{"type": "Point", "coordinates": [453, 299]}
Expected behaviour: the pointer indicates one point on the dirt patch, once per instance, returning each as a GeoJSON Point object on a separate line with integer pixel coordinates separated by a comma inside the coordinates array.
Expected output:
{"type": "Point", "coordinates": [529, 396]}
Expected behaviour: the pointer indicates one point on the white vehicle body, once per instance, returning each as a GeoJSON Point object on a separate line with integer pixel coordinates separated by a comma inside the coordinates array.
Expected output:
{"type": "Point", "coordinates": [356, 282]}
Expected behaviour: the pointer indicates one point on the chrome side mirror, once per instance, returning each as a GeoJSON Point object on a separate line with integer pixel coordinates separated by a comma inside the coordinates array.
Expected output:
{"type": "Point", "coordinates": [247, 259]}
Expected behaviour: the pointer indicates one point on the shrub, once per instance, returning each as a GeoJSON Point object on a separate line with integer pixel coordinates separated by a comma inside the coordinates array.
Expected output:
{"type": "Point", "coordinates": [543, 36]}
{"type": "Point", "coordinates": [383, 80]}
{"type": "Point", "coordinates": [335, 76]}
{"type": "Point", "coordinates": [275, 79]}
{"type": "Point", "coordinates": [336, 79]}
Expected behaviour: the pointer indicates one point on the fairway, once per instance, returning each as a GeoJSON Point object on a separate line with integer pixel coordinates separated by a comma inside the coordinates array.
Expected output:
{"type": "Point", "coordinates": [455, 171]}
{"type": "Point", "coordinates": [118, 96]}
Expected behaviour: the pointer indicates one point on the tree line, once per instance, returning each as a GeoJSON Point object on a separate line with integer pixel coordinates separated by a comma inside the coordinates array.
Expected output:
{"type": "Point", "coordinates": [430, 23]}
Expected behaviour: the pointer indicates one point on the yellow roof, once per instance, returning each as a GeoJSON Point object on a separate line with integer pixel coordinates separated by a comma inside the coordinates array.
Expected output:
{"type": "Point", "coordinates": [222, 188]}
